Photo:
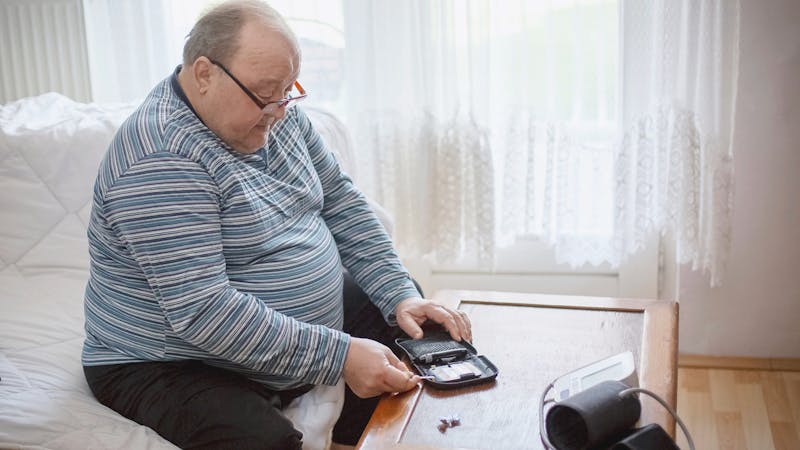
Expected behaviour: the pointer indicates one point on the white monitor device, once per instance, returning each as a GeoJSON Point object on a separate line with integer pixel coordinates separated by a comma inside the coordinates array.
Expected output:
{"type": "Point", "coordinates": [618, 367]}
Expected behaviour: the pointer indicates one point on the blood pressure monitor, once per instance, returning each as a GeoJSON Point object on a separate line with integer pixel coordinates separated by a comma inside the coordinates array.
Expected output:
{"type": "Point", "coordinates": [618, 367]}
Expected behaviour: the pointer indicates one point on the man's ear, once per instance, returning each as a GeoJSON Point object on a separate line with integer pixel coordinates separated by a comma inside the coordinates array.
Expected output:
{"type": "Point", "coordinates": [202, 72]}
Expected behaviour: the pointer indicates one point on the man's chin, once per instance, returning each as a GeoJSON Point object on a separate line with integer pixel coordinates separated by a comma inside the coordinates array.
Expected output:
{"type": "Point", "coordinates": [252, 145]}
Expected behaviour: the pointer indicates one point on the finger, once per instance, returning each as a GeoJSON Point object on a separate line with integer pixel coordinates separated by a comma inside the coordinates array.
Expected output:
{"type": "Point", "coordinates": [414, 379]}
{"type": "Point", "coordinates": [407, 323]}
{"type": "Point", "coordinates": [402, 367]}
{"type": "Point", "coordinates": [395, 361]}
{"type": "Point", "coordinates": [462, 324]}
{"type": "Point", "coordinates": [467, 324]}
{"type": "Point", "coordinates": [396, 380]}
{"type": "Point", "coordinates": [413, 382]}
{"type": "Point", "coordinates": [444, 317]}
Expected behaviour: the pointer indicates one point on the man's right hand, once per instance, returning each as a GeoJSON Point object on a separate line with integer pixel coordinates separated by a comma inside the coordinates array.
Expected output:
{"type": "Point", "coordinates": [370, 369]}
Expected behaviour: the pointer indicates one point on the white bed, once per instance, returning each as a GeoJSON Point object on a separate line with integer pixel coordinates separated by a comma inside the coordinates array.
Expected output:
{"type": "Point", "coordinates": [50, 147]}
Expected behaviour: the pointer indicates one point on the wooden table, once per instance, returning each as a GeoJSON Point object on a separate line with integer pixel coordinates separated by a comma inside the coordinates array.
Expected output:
{"type": "Point", "coordinates": [532, 339]}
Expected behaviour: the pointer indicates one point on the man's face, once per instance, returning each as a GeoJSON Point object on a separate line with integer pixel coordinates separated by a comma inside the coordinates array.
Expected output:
{"type": "Point", "coordinates": [268, 66]}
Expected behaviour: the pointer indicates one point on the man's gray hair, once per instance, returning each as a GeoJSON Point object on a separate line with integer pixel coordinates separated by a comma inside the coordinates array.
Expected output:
{"type": "Point", "coordinates": [216, 33]}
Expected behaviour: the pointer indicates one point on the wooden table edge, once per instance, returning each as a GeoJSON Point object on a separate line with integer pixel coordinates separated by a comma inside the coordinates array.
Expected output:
{"type": "Point", "coordinates": [657, 366]}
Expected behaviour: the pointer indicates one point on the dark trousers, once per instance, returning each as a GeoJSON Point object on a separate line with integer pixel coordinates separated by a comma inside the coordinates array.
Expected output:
{"type": "Point", "coordinates": [196, 406]}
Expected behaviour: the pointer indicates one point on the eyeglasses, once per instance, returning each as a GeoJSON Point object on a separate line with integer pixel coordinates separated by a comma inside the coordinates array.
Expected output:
{"type": "Point", "coordinates": [269, 107]}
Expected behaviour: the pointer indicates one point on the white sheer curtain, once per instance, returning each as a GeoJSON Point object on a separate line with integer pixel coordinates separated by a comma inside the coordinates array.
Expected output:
{"type": "Point", "coordinates": [484, 121]}
{"type": "Point", "coordinates": [588, 124]}
{"type": "Point", "coordinates": [674, 168]}
{"type": "Point", "coordinates": [134, 44]}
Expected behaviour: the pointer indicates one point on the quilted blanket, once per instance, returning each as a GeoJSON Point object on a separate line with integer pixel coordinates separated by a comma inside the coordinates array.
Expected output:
{"type": "Point", "coordinates": [50, 148]}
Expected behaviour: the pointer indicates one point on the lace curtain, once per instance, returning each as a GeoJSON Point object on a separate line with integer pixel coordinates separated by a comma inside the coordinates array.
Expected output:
{"type": "Point", "coordinates": [484, 121]}
{"type": "Point", "coordinates": [674, 167]}
{"type": "Point", "coordinates": [588, 124]}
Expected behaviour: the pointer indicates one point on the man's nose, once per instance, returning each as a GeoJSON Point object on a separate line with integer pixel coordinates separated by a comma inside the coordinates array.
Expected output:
{"type": "Point", "coordinates": [280, 113]}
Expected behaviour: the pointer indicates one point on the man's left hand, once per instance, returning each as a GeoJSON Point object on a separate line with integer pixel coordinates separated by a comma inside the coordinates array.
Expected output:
{"type": "Point", "coordinates": [414, 311]}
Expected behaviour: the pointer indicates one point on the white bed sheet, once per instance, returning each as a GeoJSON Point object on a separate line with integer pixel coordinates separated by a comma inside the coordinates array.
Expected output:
{"type": "Point", "coordinates": [44, 399]}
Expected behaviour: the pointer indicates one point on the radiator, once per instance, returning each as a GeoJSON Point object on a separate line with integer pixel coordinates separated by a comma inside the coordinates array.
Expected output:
{"type": "Point", "coordinates": [43, 49]}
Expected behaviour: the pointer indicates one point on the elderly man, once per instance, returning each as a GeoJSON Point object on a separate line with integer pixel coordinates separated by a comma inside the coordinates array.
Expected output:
{"type": "Point", "coordinates": [218, 233]}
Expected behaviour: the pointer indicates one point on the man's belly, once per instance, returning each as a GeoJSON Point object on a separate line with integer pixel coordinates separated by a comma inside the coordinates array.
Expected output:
{"type": "Point", "coordinates": [297, 272]}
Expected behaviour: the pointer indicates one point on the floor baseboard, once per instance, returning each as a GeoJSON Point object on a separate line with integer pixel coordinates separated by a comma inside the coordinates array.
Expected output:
{"type": "Point", "coordinates": [738, 362]}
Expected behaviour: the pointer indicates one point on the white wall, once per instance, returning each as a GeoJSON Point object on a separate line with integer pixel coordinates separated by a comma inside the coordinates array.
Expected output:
{"type": "Point", "coordinates": [757, 310]}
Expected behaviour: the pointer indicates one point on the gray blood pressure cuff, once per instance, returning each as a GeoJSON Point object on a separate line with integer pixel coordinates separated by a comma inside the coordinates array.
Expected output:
{"type": "Point", "coordinates": [450, 363]}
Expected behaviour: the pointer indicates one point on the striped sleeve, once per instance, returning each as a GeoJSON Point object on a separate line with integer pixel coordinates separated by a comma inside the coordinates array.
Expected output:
{"type": "Point", "coordinates": [166, 210]}
{"type": "Point", "coordinates": [365, 247]}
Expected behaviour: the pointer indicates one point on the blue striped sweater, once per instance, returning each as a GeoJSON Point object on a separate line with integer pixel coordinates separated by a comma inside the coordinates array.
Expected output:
{"type": "Point", "coordinates": [200, 252]}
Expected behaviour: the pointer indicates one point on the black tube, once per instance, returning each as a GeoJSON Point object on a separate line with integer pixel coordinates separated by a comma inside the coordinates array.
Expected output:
{"type": "Point", "coordinates": [592, 417]}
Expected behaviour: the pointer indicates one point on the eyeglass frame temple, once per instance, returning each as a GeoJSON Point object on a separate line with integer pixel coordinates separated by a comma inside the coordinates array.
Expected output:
{"type": "Point", "coordinates": [253, 96]}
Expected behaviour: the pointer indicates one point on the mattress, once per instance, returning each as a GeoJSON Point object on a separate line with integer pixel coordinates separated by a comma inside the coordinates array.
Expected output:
{"type": "Point", "coordinates": [50, 148]}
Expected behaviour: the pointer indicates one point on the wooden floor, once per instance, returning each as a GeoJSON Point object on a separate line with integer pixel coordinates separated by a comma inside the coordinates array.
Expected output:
{"type": "Point", "coordinates": [740, 409]}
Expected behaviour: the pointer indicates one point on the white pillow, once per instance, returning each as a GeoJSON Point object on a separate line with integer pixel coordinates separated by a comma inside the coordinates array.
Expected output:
{"type": "Point", "coordinates": [50, 148]}
{"type": "Point", "coordinates": [62, 140]}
